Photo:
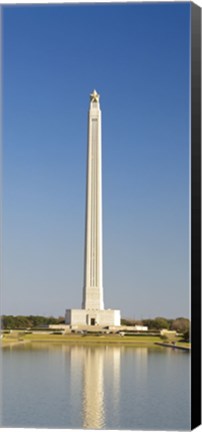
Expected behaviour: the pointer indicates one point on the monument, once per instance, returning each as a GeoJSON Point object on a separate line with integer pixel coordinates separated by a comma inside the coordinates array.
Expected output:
{"type": "Point", "coordinates": [93, 312]}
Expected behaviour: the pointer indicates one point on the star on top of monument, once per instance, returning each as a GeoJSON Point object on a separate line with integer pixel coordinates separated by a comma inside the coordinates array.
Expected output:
{"type": "Point", "coordinates": [94, 96]}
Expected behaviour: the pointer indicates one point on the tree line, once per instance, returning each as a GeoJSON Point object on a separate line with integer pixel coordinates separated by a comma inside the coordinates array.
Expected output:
{"type": "Point", "coordinates": [31, 321]}
{"type": "Point", "coordinates": [181, 324]}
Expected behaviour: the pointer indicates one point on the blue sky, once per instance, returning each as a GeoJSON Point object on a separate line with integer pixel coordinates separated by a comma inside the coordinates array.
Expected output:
{"type": "Point", "coordinates": [137, 57]}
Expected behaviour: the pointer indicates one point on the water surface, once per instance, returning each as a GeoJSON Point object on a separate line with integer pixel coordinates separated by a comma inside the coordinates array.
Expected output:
{"type": "Point", "coordinates": [90, 387]}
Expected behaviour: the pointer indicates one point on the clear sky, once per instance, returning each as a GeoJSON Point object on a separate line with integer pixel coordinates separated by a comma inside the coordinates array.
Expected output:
{"type": "Point", "coordinates": [137, 57]}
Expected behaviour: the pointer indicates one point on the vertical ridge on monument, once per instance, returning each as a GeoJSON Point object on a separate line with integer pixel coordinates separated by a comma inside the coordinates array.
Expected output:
{"type": "Point", "coordinates": [93, 289]}
{"type": "Point", "coordinates": [93, 312]}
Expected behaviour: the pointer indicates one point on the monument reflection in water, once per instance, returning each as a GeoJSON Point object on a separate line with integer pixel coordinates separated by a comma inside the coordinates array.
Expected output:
{"type": "Point", "coordinates": [95, 387]}
{"type": "Point", "coordinates": [89, 378]}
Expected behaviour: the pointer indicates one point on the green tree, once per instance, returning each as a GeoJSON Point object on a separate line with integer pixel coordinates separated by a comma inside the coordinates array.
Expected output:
{"type": "Point", "coordinates": [181, 325]}
{"type": "Point", "coordinates": [130, 322]}
{"type": "Point", "coordinates": [148, 322]}
{"type": "Point", "coordinates": [8, 322]}
{"type": "Point", "coordinates": [186, 336]}
{"type": "Point", "coordinates": [160, 323]}
{"type": "Point", "coordinates": [21, 321]}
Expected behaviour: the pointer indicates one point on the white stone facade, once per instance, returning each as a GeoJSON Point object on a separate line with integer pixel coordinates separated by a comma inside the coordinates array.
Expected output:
{"type": "Point", "coordinates": [93, 287]}
{"type": "Point", "coordinates": [93, 312]}
{"type": "Point", "coordinates": [83, 317]}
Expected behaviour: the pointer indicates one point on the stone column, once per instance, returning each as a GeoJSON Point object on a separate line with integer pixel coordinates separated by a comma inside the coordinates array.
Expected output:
{"type": "Point", "coordinates": [93, 288]}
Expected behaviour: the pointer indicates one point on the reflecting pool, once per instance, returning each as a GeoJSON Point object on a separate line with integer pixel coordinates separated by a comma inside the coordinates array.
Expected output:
{"type": "Point", "coordinates": [95, 387]}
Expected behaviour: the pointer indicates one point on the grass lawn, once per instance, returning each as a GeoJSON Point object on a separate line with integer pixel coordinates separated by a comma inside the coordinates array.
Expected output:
{"type": "Point", "coordinates": [140, 341]}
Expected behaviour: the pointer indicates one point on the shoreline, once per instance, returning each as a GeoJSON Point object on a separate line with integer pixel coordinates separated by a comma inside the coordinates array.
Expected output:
{"type": "Point", "coordinates": [14, 343]}
{"type": "Point", "coordinates": [86, 340]}
{"type": "Point", "coordinates": [168, 345]}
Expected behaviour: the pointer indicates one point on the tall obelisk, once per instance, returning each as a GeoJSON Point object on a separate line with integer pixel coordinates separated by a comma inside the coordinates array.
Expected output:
{"type": "Point", "coordinates": [93, 312]}
{"type": "Point", "coordinates": [93, 287]}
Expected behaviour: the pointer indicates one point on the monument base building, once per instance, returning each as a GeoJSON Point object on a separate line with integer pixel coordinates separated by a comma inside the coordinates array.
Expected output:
{"type": "Point", "coordinates": [83, 317]}
{"type": "Point", "coordinates": [93, 311]}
